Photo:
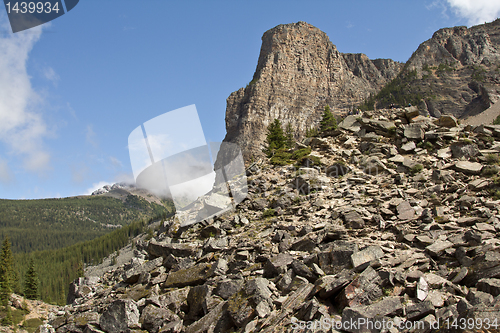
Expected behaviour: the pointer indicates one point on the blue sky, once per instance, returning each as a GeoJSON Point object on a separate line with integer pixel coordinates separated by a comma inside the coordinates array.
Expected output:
{"type": "Point", "coordinates": [71, 91]}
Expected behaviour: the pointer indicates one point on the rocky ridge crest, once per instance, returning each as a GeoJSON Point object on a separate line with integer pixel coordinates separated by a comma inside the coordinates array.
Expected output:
{"type": "Point", "coordinates": [458, 70]}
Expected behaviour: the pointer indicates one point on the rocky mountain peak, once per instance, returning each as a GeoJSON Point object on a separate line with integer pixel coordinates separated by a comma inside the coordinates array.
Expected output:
{"type": "Point", "coordinates": [299, 72]}
{"type": "Point", "coordinates": [461, 46]}
{"type": "Point", "coordinates": [457, 70]}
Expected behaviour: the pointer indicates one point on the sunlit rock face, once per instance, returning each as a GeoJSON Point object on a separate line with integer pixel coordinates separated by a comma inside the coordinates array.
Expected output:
{"type": "Point", "coordinates": [458, 70]}
{"type": "Point", "coordinates": [299, 72]}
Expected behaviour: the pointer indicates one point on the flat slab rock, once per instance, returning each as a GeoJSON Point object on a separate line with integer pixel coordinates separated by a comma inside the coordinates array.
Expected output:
{"type": "Point", "coordinates": [361, 259]}
{"type": "Point", "coordinates": [188, 277]}
{"type": "Point", "coordinates": [353, 220]}
{"type": "Point", "coordinates": [438, 247]}
{"type": "Point", "coordinates": [405, 211]}
{"type": "Point", "coordinates": [389, 306]}
{"type": "Point", "coordinates": [472, 168]}
{"type": "Point", "coordinates": [490, 286]}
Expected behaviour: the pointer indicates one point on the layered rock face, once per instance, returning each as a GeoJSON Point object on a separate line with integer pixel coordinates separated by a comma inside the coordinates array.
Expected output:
{"type": "Point", "coordinates": [458, 69]}
{"type": "Point", "coordinates": [298, 73]}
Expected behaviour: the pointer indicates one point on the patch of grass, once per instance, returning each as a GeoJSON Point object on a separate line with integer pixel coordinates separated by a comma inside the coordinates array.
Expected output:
{"type": "Point", "coordinates": [444, 68]}
{"type": "Point", "coordinates": [281, 157]}
{"type": "Point", "coordinates": [439, 219]}
{"type": "Point", "coordinates": [18, 316]}
{"type": "Point", "coordinates": [309, 161]}
{"type": "Point", "coordinates": [387, 291]}
{"type": "Point", "coordinates": [32, 324]}
{"type": "Point", "coordinates": [497, 120]}
{"type": "Point", "coordinates": [428, 145]}
{"type": "Point", "coordinates": [252, 82]}
{"type": "Point", "coordinates": [495, 194]}
{"type": "Point", "coordinates": [416, 169]}
{"type": "Point", "coordinates": [489, 171]}
{"type": "Point", "coordinates": [300, 153]}
{"type": "Point", "coordinates": [492, 159]}
{"type": "Point", "coordinates": [269, 213]}
{"type": "Point", "coordinates": [149, 233]}
{"type": "Point", "coordinates": [478, 74]}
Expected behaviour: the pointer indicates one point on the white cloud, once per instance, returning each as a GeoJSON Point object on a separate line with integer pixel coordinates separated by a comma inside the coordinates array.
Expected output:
{"type": "Point", "coordinates": [22, 127]}
{"type": "Point", "coordinates": [91, 136]}
{"type": "Point", "coordinates": [96, 186]}
{"type": "Point", "coordinates": [79, 172]}
{"type": "Point", "coordinates": [71, 111]}
{"type": "Point", "coordinates": [439, 4]}
{"type": "Point", "coordinates": [6, 175]}
{"type": "Point", "coordinates": [116, 163]}
{"type": "Point", "coordinates": [51, 75]}
{"type": "Point", "coordinates": [126, 178]}
{"type": "Point", "coordinates": [476, 11]}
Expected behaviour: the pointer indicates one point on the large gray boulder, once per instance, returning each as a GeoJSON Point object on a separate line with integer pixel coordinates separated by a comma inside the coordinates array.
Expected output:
{"type": "Point", "coordinates": [153, 318]}
{"type": "Point", "coordinates": [470, 168]}
{"type": "Point", "coordinates": [163, 249]}
{"type": "Point", "coordinates": [389, 306]}
{"type": "Point", "coordinates": [461, 149]}
{"type": "Point", "coordinates": [447, 121]}
{"type": "Point", "coordinates": [132, 275]}
{"type": "Point", "coordinates": [277, 265]}
{"type": "Point", "coordinates": [414, 132]}
{"type": "Point", "coordinates": [188, 277]}
{"type": "Point", "coordinates": [120, 316]}
{"type": "Point", "coordinates": [350, 123]}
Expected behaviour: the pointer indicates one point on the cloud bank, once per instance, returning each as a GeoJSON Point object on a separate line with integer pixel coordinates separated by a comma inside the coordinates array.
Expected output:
{"type": "Point", "coordinates": [22, 128]}
{"type": "Point", "coordinates": [476, 11]}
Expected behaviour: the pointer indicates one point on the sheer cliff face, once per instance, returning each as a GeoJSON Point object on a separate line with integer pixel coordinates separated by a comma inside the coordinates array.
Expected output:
{"type": "Point", "coordinates": [299, 72]}
{"type": "Point", "coordinates": [468, 80]}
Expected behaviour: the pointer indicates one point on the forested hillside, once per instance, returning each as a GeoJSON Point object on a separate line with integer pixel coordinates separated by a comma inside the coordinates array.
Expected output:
{"type": "Point", "coordinates": [34, 225]}
{"type": "Point", "coordinates": [57, 268]}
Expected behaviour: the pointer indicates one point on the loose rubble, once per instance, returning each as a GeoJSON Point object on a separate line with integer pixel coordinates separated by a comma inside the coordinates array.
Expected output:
{"type": "Point", "coordinates": [398, 224]}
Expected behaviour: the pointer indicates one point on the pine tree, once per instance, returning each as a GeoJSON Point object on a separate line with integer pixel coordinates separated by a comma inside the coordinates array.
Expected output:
{"type": "Point", "coordinates": [290, 139]}
{"type": "Point", "coordinates": [311, 132]}
{"type": "Point", "coordinates": [31, 282]}
{"type": "Point", "coordinates": [328, 122]}
{"type": "Point", "coordinates": [16, 283]}
{"type": "Point", "coordinates": [275, 138]}
{"type": "Point", "coordinates": [80, 271]}
{"type": "Point", "coordinates": [6, 261]}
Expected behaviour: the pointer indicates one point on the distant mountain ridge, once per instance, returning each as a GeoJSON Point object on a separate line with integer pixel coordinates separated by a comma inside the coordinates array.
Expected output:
{"type": "Point", "coordinates": [55, 223]}
{"type": "Point", "coordinates": [300, 71]}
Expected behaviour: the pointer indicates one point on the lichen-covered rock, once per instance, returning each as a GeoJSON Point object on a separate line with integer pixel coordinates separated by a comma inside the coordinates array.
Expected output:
{"type": "Point", "coordinates": [188, 277]}
{"type": "Point", "coordinates": [120, 316]}
{"type": "Point", "coordinates": [152, 318]}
